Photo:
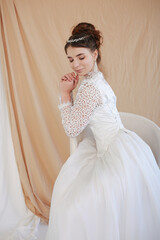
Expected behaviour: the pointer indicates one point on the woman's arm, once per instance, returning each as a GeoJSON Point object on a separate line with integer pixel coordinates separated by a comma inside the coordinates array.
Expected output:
{"type": "Point", "coordinates": [75, 118]}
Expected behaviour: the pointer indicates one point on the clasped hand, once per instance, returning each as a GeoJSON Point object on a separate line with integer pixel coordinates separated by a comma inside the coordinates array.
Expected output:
{"type": "Point", "coordinates": [68, 82]}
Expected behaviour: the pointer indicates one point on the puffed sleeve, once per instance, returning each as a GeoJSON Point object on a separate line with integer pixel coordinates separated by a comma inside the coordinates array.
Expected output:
{"type": "Point", "coordinates": [76, 117]}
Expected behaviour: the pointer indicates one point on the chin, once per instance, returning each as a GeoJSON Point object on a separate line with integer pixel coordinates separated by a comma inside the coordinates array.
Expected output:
{"type": "Point", "coordinates": [84, 73]}
{"type": "Point", "coordinates": [81, 74]}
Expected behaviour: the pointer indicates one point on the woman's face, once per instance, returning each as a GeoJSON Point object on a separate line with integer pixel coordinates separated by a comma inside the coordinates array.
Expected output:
{"type": "Point", "coordinates": [81, 59]}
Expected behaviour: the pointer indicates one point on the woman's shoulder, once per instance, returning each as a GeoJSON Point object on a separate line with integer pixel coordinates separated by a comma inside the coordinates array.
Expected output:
{"type": "Point", "coordinates": [102, 84]}
{"type": "Point", "coordinates": [91, 79]}
{"type": "Point", "coordinates": [105, 88]}
{"type": "Point", "coordinates": [97, 81]}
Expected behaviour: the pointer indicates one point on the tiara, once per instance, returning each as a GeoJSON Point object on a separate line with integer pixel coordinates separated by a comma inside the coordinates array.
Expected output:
{"type": "Point", "coordinates": [77, 39]}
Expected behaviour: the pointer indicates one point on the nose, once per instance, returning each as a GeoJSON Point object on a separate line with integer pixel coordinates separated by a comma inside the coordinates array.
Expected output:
{"type": "Point", "coordinates": [75, 64]}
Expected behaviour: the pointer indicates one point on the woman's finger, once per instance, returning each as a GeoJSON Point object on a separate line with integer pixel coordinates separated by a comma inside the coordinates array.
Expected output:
{"type": "Point", "coordinates": [71, 77]}
{"type": "Point", "coordinates": [77, 77]}
{"type": "Point", "coordinates": [73, 74]}
{"type": "Point", "coordinates": [64, 77]}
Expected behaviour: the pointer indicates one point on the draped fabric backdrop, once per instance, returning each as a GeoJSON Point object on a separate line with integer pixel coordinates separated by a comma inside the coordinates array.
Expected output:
{"type": "Point", "coordinates": [33, 34]}
{"type": "Point", "coordinates": [16, 220]}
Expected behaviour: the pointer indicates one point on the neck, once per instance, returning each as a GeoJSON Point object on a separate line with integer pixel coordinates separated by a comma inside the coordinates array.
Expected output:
{"type": "Point", "coordinates": [91, 74]}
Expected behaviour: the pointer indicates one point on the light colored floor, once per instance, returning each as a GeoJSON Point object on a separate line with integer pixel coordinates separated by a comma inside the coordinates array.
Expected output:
{"type": "Point", "coordinates": [42, 231]}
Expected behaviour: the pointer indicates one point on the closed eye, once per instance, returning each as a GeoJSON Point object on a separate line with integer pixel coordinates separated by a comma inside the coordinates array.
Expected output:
{"type": "Point", "coordinates": [71, 60]}
{"type": "Point", "coordinates": [82, 58]}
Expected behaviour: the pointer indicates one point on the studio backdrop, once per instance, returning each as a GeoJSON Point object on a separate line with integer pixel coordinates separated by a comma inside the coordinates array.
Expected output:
{"type": "Point", "coordinates": [33, 35]}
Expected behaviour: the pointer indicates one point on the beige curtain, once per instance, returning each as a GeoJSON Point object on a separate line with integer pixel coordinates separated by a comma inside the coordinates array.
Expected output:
{"type": "Point", "coordinates": [33, 34]}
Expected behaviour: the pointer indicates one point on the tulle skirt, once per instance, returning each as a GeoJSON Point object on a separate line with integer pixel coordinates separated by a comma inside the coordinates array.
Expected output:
{"type": "Point", "coordinates": [115, 196]}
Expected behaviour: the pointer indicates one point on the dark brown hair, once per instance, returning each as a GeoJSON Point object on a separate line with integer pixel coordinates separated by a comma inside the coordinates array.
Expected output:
{"type": "Point", "coordinates": [93, 38]}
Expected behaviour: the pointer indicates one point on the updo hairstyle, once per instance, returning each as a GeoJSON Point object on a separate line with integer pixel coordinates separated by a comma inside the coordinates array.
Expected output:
{"type": "Point", "coordinates": [93, 38]}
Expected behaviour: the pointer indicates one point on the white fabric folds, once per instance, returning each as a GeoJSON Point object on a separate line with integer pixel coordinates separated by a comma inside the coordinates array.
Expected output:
{"type": "Point", "coordinates": [16, 221]}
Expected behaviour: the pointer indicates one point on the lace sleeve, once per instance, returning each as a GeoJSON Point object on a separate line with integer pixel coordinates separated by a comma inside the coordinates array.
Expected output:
{"type": "Point", "coordinates": [75, 118]}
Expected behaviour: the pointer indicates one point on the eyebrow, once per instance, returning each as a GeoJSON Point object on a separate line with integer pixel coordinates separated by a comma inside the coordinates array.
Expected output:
{"type": "Point", "coordinates": [77, 55]}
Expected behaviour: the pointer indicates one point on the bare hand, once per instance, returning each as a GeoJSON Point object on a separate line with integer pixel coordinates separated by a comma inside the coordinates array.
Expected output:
{"type": "Point", "coordinates": [68, 82]}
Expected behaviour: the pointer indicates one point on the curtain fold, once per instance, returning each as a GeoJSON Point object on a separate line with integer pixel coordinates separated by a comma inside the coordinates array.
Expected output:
{"type": "Point", "coordinates": [16, 220]}
{"type": "Point", "coordinates": [33, 34]}
{"type": "Point", "coordinates": [34, 127]}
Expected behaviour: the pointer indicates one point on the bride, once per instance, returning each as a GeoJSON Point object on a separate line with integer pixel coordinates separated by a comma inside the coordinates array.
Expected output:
{"type": "Point", "coordinates": [109, 188]}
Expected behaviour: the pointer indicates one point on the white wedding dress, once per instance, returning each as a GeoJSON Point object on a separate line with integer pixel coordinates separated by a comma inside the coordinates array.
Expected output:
{"type": "Point", "coordinates": [109, 188]}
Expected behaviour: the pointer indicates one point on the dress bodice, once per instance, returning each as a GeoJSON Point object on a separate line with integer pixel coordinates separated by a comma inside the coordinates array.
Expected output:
{"type": "Point", "coordinates": [93, 112]}
{"type": "Point", "coordinates": [106, 121]}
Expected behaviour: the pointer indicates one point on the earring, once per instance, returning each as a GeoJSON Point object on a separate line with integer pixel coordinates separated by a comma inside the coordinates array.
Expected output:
{"type": "Point", "coordinates": [94, 71]}
{"type": "Point", "coordinates": [95, 68]}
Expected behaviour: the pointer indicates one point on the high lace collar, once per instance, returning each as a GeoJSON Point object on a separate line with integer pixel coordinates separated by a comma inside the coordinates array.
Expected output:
{"type": "Point", "coordinates": [91, 75]}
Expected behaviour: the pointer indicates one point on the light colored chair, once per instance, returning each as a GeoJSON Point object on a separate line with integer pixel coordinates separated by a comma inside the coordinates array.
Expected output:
{"type": "Point", "coordinates": [142, 126]}
{"type": "Point", "coordinates": [146, 129]}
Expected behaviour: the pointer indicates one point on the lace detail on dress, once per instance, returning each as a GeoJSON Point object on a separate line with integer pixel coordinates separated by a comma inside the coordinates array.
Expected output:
{"type": "Point", "coordinates": [65, 104]}
{"type": "Point", "coordinates": [61, 105]}
{"type": "Point", "coordinates": [92, 75]}
{"type": "Point", "coordinates": [75, 118]}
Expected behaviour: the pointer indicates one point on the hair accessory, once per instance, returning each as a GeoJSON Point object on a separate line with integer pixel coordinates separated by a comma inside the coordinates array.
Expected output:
{"type": "Point", "coordinates": [77, 39]}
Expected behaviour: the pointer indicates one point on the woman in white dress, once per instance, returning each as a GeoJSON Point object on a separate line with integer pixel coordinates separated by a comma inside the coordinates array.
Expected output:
{"type": "Point", "coordinates": [109, 188]}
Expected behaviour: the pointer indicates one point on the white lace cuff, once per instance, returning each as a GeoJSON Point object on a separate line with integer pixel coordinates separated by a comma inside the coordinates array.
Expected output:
{"type": "Point", "coordinates": [65, 104]}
